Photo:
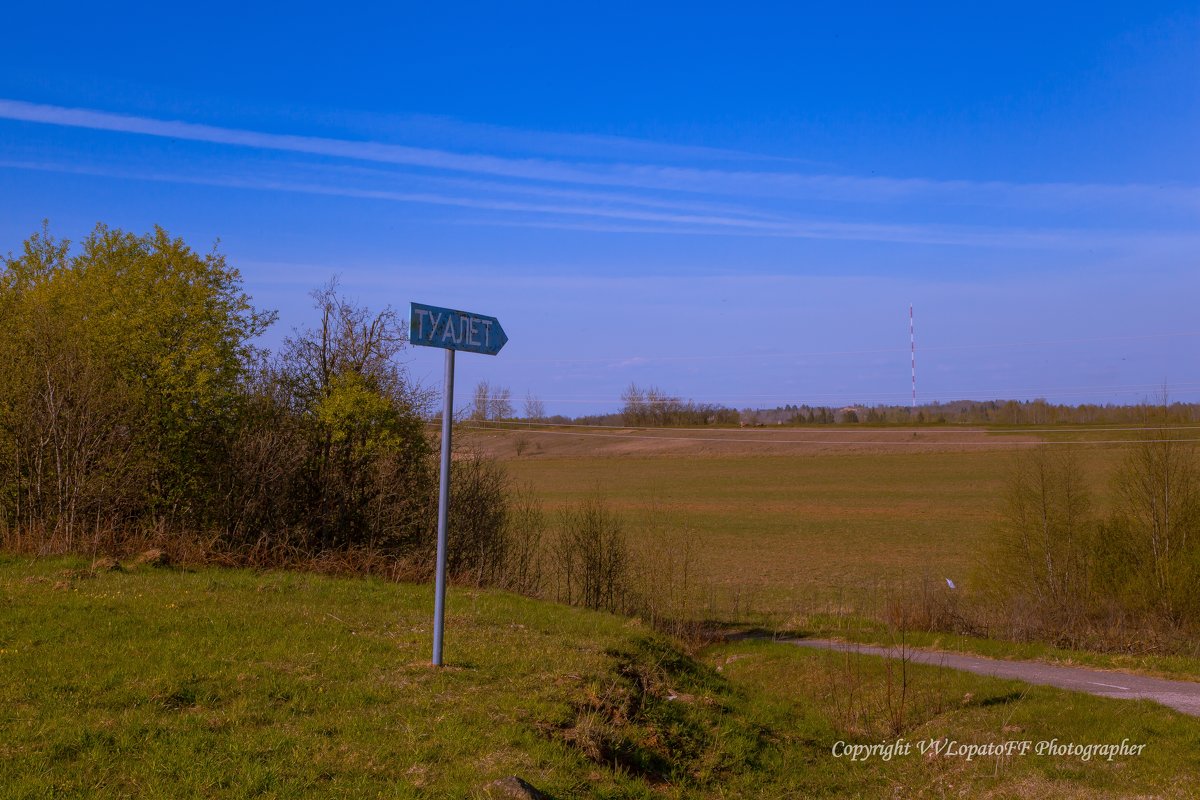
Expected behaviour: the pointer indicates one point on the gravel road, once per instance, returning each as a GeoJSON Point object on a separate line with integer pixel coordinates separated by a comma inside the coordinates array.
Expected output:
{"type": "Point", "coordinates": [1180, 695]}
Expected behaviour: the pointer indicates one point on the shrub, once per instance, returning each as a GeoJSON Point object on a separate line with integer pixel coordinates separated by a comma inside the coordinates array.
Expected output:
{"type": "Point", "coordinates": [591, 556]}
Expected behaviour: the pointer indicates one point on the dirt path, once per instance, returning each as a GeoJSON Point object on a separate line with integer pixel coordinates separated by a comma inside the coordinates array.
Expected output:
{"type": "Point", "coordinates": [1182, 696]}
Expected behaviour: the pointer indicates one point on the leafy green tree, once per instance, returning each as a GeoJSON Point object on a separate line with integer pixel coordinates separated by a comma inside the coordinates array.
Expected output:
{"type": "Point", "coordinates": [126, 363]}
{"type": "Point", "coordinates": [367, 475]}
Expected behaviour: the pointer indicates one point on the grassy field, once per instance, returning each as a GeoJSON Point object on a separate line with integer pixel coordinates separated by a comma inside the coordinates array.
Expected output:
{"type": "Point", "coordinates": [783, 531]}
{"type": "Point", "coordinates": [780, 524]}
{"type": "Point", "coordinates": [164, 683]}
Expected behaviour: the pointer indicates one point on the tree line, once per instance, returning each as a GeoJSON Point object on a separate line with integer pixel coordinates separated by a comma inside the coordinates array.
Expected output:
{"type": "Point", "coordinates": [652, 407]}
{"type": "Point", "coordinates": [136, 406]}
{"type": "Point", "coordinates": [979, 412]}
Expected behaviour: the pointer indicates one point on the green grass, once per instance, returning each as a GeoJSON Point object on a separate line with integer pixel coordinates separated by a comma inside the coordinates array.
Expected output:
{"type": "Point", "coordinates": [233, 684]}
{"type": "Point", "coordinates": [164, 683]}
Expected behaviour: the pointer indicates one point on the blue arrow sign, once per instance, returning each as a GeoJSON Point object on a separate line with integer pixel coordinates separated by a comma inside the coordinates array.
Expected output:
{"type": "Point", "coordinates": [432, 326]}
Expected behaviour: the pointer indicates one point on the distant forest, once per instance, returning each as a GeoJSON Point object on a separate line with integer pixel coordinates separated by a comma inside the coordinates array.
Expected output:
{"type": "Point", "coordinates": [978, 412]}
{"type": "Point", "coordinates": [652, 407]}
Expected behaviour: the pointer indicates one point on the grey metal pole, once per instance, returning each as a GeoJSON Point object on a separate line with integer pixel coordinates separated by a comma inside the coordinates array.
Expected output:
{"type": "Point", "coordinates": [439, 603]}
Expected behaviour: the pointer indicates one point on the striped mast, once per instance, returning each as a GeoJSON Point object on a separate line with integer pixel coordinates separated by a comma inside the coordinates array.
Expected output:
{"type": "Point", "coordinates": [912, 347]}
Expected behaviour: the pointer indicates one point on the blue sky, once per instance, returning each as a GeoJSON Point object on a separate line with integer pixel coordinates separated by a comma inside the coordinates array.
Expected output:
{"type": "Point", "coordinates": [737, 206]}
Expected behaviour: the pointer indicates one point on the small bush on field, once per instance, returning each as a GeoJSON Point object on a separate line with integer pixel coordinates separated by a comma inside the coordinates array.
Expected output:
{"type": "Point", "coordinates": [590, 560]}
{"type": "Point", "coordinates": [525, 536]}
{"type": "Point", "coordinates": [495, 533]}
{"type": "Point", "coordinates": [873, 698]}
{"type": "Point", "coordinates": [591, 557]}
{"type": "Point", "coordinates": [665, 586]}
{"type": "Point", "coordinates": [929, 606]}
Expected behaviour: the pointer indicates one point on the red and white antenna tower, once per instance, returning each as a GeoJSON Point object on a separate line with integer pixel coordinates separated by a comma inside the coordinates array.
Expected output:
{"type": "Point", "coordinates": [912, 344]}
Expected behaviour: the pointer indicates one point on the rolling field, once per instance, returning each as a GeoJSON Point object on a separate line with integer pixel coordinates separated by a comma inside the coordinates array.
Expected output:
{"type": "Point", "coordinates": [779, 522]}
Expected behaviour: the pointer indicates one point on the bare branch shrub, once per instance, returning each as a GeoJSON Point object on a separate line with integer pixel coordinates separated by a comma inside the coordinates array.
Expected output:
{"type": "Point", "coordinates": [665, 588]}
{"type": "Point", "coordinates": [1040, 569]}
{"type": "Point", "coordinates": [525, 535]}
{"type": "Point", "coordinates": [477, 547]}
{"type": "Point", "coordinates": [591, 556]}
{"type": "Point", "coordinates": [535, 409]}
{"type": "Point", "coordinates": [1153, 534]}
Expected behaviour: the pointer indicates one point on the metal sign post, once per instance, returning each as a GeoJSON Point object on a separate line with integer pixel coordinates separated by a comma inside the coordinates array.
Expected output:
{"type": "Point", "coordinates": [432, 326]}
{"type": "Point", "coordinates": [439, 583]}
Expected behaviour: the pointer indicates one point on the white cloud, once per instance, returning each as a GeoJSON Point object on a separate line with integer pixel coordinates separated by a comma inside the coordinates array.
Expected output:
{"type": "Point", "coordinates": [600, 217]}
{"type": "Point", "coordinates": [747, 183]}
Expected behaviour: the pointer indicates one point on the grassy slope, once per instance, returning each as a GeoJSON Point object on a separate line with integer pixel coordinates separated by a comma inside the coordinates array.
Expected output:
{"type": "Point", "coordinates": [231, 684]}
